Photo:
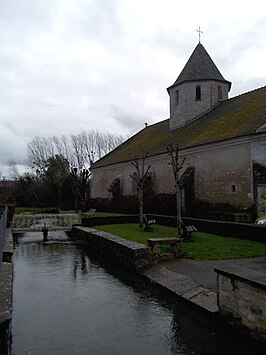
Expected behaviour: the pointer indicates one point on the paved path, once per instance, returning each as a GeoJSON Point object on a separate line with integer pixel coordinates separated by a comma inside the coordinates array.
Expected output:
{"type": "Point", "coordinates": [203, 273]}
{"type": "Point", "coordinates": [195, 281]}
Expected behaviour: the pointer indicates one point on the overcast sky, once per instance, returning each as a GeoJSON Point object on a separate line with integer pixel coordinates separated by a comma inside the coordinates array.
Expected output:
{"type": "Point", "coordinates": [73, 65]}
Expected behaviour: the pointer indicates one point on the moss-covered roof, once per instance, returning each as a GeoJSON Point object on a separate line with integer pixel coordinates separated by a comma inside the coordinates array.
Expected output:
{"type": "Point", "coordinates": [240, 116]}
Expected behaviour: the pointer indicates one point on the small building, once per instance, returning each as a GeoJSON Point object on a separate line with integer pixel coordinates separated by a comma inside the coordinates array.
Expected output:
{"type": "Point", "coordinates": [222, 140]}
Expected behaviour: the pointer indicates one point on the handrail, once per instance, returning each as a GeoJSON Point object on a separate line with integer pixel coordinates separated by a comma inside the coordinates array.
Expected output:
{"type": "Point", "coordinates": [3, 220]}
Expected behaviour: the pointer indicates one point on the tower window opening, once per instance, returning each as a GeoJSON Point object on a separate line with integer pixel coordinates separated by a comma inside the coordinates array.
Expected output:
{"type": "Point", "coordinates": [198, 92]}
{"type": "Point", "coordinates": [177, 97]}
{"type": "Point", "coordinates": [233, 188]}
{"type": "Point", "coordinates": [219, 93]}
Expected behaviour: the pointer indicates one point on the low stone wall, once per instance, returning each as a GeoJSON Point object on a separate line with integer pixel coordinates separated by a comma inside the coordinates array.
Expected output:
{"type": "Point", "coordinates": [6, 293]}
{"type": "Point", "coordinates": [132, 255]}
{"type": "Point", "coordinates": [242, 299]}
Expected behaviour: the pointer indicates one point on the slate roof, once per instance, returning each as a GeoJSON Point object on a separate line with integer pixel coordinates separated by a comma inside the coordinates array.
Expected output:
{"type": "Point", "coordinates": [240, 116]}
{"type": "Point", "coordinates": [200, 66]}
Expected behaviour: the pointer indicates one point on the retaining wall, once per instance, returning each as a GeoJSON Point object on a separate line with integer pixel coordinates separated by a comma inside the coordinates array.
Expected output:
{"type": "Point", "coordinates": [132, 255]}
{"type": "Point", "coordinates": [242, 299]}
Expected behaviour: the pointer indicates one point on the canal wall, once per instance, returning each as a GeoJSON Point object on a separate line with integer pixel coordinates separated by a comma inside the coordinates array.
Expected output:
{"type": "Point", "coordinates": [6, 292]}
{"type": "Point", "coordinates": [130, 254]}
{"type": "Point", "coordinates": [242, 299]}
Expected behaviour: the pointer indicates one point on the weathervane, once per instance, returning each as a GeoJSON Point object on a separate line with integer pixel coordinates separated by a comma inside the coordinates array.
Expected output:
{"type": "Point", "coordinates": [199, 31]}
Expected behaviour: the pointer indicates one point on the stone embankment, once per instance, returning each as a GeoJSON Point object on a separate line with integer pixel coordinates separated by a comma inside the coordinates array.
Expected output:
{"type": "Point", "coordinates": [143, 259]}
{"type": "Point", "coordinates": [239, 297]}
{"type": "Point", "coordinates": [134, 256]}
{"type": "Point", "coordinates": [6, 294]}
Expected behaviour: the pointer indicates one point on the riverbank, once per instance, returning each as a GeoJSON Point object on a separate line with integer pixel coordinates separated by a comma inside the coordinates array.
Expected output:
{"type": "Point", "coordinates": [6, 292]}
{"type": "Point", "coordinates": [191, 281]}
{"type": "Point", "coordinates": [194, 282]}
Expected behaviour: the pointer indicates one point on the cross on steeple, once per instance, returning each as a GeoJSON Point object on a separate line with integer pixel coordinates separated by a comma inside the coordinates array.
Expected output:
{"type": "Point", "coordinates": [199, 31]}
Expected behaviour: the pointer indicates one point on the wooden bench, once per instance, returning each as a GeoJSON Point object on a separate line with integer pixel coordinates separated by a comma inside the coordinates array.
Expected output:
{"type": "Point", "coordinates": [187, 230]}
{"type": "Point", "coordinates": [174, 244]}
{"type": "Point", "coordinates": [148, 223]}
{"type": "Point", "coordinates": [91, 212]}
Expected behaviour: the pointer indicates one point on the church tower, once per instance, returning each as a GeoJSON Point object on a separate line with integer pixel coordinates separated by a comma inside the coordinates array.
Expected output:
{"type": "Point", "coordinates": [199, 87]}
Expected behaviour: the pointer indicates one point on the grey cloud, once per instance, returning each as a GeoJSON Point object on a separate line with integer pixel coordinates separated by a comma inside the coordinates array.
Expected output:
{"type": "Point", "coordinates": [131, 121]}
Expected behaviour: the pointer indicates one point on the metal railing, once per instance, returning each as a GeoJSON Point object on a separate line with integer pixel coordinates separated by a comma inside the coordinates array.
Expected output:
{"type": "Point", "coordinates": [3, 220]}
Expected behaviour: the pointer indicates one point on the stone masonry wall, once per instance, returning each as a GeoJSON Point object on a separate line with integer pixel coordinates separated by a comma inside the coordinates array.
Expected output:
{"type": "Point", "coordinates": [131, 255]}
{"type": "Point", "coordinates": [188, 107]}
{"type": "Point", "coordinates": [242, 298]}
{"type": "Point", "coordinates": [223, 174]}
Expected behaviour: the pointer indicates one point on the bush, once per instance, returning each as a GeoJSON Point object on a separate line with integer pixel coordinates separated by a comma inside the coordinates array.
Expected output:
{"type": "Point", "coordinates": [124, 204]}
{"type": "Point", "coordinates": [159, 204]}
{"type": "Point", "coordinates": [222, 212]}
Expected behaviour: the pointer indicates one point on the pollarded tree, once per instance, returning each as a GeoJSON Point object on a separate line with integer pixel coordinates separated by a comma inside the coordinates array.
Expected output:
{"type": "Point", "coordinates": [140, 176]}
{"type": "Point", "coordinates": [173, 152]}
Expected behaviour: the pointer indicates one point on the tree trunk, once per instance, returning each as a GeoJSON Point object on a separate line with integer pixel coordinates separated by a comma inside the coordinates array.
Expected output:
{"type": "Point", "coordinates": [178, 210]}
{"type": "Point", "coordinates": [141, 207]}
{"type": "Point", "coordinates": [76, 201]}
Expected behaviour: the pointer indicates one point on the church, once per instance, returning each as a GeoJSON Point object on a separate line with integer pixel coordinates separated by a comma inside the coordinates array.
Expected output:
{"type": "Point", "coordinates": [222, 140]}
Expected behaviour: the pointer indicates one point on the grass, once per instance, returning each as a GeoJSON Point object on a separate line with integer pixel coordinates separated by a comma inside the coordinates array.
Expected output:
{"type": "Point", "coordinates": [34, 210]}
{"type": "Point", "coordinates": [204, 246]}
{"type": "Point", "coordinates": [213, 247]}
{"type": "Point", "coordinates": [106, 214]}
{"type": "Point", "coordinates": [261, 218]}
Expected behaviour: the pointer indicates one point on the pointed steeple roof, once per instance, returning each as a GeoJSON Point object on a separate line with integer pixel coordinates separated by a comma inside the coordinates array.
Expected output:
{"type": "Point", "coordinates": [200, 66]}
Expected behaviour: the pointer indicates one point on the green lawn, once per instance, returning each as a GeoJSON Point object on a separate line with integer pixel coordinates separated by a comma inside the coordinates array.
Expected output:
{"type": "Point", "coordinates": [204, 246]}
{"type": "Point", "coordinates": [34, 210]}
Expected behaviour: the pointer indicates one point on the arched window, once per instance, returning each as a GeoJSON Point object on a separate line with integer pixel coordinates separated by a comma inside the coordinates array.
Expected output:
{"type": "Point", "coordinates": [198, 92]}
{"type": "Point", "coordinates": [114, 188]}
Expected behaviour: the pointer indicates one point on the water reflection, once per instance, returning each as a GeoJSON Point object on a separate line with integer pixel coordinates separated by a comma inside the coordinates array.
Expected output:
{"type": "Point", "coordinates": [65, 302]}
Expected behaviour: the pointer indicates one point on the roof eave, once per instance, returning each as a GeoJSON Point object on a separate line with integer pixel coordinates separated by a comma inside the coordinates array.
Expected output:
{"type": "Point", "coordinates": [197, 80]}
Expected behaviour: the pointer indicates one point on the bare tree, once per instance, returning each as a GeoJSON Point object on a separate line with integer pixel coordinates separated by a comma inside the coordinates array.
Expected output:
{"type": "Point", "coordinates": [80, 150]}
{"type": "Point", "coordinates": [80, 182]}
{"type": "Point", "coordinates": [39, 150]}
{"type": "Point", "coordinates": [173, 152]}
{"type": "Point", "coordinates": [140, 178]}
{"type": "Point", "coordinates": [13, 169]}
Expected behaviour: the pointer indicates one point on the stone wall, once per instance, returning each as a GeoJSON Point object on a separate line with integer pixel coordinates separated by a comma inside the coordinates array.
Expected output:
{"type": "Point", "coordinates": [223, 174]}
{"type": "Point", "coordinates": [188, 108]}
{"type": "Point", "coordinates": [242, 299]}
{"type": "Point", "coordinates": [131, 255]}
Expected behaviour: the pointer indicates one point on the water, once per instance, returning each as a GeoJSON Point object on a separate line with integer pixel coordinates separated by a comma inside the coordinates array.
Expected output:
{"type": "Point", "coordinates": [66, 303]}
